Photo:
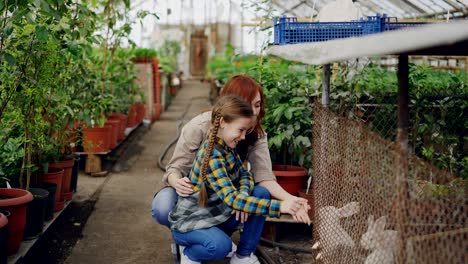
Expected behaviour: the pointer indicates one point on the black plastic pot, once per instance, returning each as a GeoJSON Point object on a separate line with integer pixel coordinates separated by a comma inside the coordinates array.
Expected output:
{"type": "Point", "coordinates": [74, 176]}
{"type": "Point", "coordinates": [36, 213]}
{"type": "Point", "coordinates": [50, 204]}
{"type": "Point", "coordinates": [4, 237]}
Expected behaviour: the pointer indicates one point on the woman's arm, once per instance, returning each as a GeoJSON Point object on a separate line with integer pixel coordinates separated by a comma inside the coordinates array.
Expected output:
{"type": "Point", "coordinates": [189, 142]}
{"type": "Point", "coordinates": [276, 190]}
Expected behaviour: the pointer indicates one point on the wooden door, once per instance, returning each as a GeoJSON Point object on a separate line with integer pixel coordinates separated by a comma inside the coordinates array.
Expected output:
{"type": "Point", "coordinates": [198, 53]}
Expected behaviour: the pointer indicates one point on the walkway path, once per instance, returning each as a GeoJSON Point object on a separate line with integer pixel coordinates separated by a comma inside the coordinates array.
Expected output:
{"type": "Point", "coordinates": [121, 229]}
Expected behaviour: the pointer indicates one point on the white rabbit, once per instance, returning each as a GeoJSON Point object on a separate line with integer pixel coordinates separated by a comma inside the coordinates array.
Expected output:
{"type": "Point", "coordinates": [383, 243]}
{"type": "Point", "coordinates": [331, 235]}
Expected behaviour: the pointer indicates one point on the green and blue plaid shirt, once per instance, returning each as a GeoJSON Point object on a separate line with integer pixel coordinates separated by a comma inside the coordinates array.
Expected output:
{"type": "Point", "coordinates": [228, 185]}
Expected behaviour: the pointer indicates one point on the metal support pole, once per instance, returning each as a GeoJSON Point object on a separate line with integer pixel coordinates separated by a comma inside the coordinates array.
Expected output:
{"type": "Point", "coordinates": [403, 156]}
{"type": "Point", "coordinates": [326, 85]}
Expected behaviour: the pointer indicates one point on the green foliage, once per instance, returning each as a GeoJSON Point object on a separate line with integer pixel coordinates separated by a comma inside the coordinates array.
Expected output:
{"type": "Point", "coordinates": [144, 53]}
{"type": "Point", "coordinates": [288, 119]}
{"type": "Point", "coordinates": [167, 55]}
{"type": "Point", "coordinates": [454, 190]}
{"type": "Point", "coordinates": [11, 149]}
{"type": "Point", "coordinates": [51, 76]}
{"type": "Point", "coordinates": [438, 103]}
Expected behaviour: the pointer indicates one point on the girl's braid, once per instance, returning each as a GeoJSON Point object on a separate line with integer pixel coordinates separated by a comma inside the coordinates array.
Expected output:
{"type": "Point", "coordinates": [203, 198]}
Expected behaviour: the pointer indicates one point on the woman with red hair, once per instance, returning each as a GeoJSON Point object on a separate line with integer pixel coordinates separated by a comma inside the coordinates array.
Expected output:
{"type": "Point", "coordinates": [253, 149]}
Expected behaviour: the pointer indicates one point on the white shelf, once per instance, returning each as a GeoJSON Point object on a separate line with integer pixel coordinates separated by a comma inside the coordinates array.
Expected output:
{"type": "Point", "coordinates": [432, 39]}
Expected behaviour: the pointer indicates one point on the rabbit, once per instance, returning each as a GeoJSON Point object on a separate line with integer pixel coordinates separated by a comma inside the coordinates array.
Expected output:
{"type": "Point", "coordinates": [383, 243]}
{"type": "Point", "coordinates": [332, 236]}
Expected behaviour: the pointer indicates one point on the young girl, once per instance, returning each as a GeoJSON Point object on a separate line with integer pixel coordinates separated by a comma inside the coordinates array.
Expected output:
{"type": "Point", "coordinates": [202, 222]}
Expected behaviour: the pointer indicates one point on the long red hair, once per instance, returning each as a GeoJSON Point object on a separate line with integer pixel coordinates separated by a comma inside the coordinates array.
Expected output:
{"type": "Point", "coordinates": [247, 88]}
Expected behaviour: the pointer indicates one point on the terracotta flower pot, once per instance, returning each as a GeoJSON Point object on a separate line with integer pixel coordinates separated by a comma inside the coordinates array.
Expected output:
{"type": "Point", "coordinates": [67, 166]}
{"type": "Point", "coordinates": [132, 116]}
{"type": "Point", "coordinates": [54, 176]}
{"type": "Point", "coordinates": [157, 111]}
{"type": "Point", "coordinates": [15, 201]}
{"type": "Point", "coordinates": [291, 178]}
{"type": "Point", "coordinates": [97, 139]}
{"type": "Point", "coordinates": [115, 127]}
{"type": "Point", "coordinates": [123, 124]}
{"type": "Point", "coordinates": [141, 110]}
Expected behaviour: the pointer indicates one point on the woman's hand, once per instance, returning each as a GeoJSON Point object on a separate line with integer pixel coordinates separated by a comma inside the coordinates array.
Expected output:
{"type": "Point", "coordinates": [302, 214]}
{"type": "Point", "coordinates": [291, 206]}
{"type": "Point", "coordinates": [184, 187]}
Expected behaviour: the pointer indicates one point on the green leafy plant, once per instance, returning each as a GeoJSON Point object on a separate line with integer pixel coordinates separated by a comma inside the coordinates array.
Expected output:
{"type": "Point", "coordinates": [167, 55]}
{"type": "Point", "coordinates": [144, 53]}
{"type": "Point", "coordinates": [288, 120]}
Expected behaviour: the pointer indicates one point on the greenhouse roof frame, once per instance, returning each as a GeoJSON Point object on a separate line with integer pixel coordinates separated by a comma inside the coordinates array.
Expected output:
{"type": "Point", "coordinates": [398, 8]}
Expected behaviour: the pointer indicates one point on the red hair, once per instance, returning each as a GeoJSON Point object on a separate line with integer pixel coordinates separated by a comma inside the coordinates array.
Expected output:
{"type": "Point", "coordinates": [247, 88]}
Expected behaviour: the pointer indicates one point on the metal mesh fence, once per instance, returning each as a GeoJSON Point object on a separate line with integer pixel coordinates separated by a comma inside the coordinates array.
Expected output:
{"type": "Point", "coordinates": [365, 213]}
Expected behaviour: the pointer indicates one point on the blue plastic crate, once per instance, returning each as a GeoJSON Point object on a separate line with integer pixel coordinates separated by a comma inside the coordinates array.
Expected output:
{"type": "Point", "coordinates": [288, 31]}
{"type": "Point", "coordinates": [391, 23]}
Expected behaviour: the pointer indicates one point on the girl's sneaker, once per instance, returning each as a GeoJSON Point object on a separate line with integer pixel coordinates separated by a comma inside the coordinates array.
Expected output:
{"type": "Point", "coordinates": [233, 250]}
{"type": "Point", "coordinates": [252, 259]}
{"type": "Point", "coordinates": [184, 259]}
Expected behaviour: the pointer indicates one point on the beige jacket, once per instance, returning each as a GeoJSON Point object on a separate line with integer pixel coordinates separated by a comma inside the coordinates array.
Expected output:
{"type": "Point", "coordinates": [191, 138]}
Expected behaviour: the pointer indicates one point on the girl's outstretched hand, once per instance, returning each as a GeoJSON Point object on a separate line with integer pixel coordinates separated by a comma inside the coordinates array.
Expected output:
{"type": "Point", "coordinates": [184, 187]}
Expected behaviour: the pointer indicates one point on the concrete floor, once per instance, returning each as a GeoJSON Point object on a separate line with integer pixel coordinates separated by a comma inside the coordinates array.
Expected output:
{"type": "Point", "coordinates": [121, 229]}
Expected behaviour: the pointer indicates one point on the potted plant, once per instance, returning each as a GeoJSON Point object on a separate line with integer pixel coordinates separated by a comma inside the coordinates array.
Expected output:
{"type": "Point", "coordinates": [288, 123]}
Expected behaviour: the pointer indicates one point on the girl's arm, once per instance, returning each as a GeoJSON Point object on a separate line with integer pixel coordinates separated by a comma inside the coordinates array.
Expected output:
{"type": "Point", "coordinates": [246, 180]}
{"type": "Point", "coordinates": [220, 182]}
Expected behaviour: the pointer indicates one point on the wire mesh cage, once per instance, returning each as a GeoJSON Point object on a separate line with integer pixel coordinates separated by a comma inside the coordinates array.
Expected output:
{"type": "Point", "coordinates": [370, 202]}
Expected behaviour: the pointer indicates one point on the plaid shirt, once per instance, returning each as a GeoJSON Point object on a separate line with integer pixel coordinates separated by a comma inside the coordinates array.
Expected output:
{"type": "Point", "coordinates": [228, 185]}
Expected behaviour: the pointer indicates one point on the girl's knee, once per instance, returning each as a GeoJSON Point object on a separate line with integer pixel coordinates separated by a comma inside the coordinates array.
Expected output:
{"type": "Point", "coordinates": [219, 249]}
{"type": "Point", "coordinates": [261, 192]}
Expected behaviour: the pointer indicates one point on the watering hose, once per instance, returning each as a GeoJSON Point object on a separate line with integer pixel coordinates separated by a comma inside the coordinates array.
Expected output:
{"type": "Point", "coordinates": [286, 246]}
{"type": "Point", "coordinates": [179, 124]}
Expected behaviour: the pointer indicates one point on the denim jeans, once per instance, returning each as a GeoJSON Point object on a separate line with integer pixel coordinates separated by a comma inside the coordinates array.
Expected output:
{"type": "Point", "coordinates": [215, 242]}
{"type": "Point", "coordinates": [162, 205]}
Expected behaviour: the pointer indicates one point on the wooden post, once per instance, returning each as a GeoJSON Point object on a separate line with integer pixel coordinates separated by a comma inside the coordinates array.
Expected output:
{"type": "Point", "coordinates": [402, 153]}
{"type": "Point", "coordinates": [93, 164]}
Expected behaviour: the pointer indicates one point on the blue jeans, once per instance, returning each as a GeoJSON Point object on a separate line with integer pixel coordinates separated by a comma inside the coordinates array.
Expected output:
{"type": "Point", "coordinates": [162, 205]}
{"type": "Point", "coordinates": [215, 242]}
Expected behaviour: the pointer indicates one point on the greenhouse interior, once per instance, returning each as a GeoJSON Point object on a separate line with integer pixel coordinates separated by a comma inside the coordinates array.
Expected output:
{"type": "Point", "coordinates": [233, 131]}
